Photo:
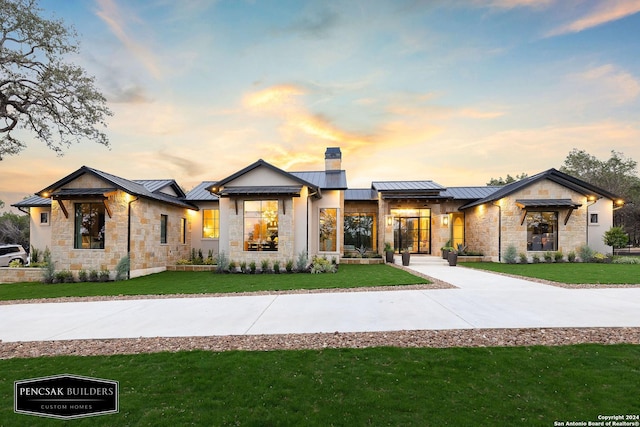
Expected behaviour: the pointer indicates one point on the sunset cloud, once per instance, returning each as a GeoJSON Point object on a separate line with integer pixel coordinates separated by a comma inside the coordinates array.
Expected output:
{"type": "Point", "coordinates": [607, 11]}
{"type": "Point", "coordinates": [612, 83]}
{"type": "Point", "coordinates": [113, 16]}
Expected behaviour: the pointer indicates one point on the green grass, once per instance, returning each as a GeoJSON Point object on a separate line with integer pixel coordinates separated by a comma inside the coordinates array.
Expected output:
{"type": "Point", "coordinates": [174, 282]}
{"type": "Point", "coordinates": [585, 273]}
{"type": "Point", "coordinates": [522, 386]}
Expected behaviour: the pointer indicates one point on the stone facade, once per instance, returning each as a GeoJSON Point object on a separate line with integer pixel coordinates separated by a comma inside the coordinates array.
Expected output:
{"type": "Point", "coordinates": [147, 253]}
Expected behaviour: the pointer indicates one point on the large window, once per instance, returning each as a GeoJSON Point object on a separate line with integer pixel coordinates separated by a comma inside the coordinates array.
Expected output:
{"type": "Point", "coordinates": [261, 225]}
{"type": "Point", "coordinates": [89, 226]}
{"type": "Point", "coordinates": [542, 231]}
{"type": "Point", "coordinates": [210, 224]}
{"type": "Point", "coordinates": [164, 222]}
{"type": "Point", "coordinates": [328, 229]}
{"type": "Point", "coordinates": [183, 231]}
{"type": "Point", "coordinates": [360, 231]}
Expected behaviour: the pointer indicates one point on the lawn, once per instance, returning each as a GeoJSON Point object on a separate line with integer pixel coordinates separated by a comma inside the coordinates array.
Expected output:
{"type": "Point", "coordinates": [521, 386]}
{"type": "Point", "coordinates": [593, 273]}
{"type": "Point", "coordinates": [180, 282]}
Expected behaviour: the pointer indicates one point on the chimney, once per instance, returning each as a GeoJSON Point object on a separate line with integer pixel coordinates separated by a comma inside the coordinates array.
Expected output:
{"type": "Point", "coordinates": [333, 159]}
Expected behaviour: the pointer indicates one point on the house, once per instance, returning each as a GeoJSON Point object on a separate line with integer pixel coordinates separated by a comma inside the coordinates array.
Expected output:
{"type": "Point", "coordinates": [91, 219]}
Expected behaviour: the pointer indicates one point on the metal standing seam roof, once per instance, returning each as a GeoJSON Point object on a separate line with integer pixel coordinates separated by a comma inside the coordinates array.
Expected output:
{"type": "Point", "coordinates": [406, 186]}
{"type": "Point", "coordinates": [554, 175]}
{"type": "Point", "coordinates": [253, 190]}
{"type": "Point", "coordinates": [360, 194]}
{"type": "Point", "coordinates": [469, 193]}
{"type": "Point", "coordinates": [200, 193]}
{"type": "Point", "coordinates": [154, 185]}
{"type": "Point", "coordinates": [33, 202]}
{"type": "Point", "coordinates": [131, 187]}
{"type": "Point", "coordinates": [546, 203]}
{"type": "Point", "coordinates": [332, 180]}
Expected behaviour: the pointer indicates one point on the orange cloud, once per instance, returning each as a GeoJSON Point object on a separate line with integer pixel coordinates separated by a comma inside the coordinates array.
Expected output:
{"type": "Point", "coordinates": [608, 11]}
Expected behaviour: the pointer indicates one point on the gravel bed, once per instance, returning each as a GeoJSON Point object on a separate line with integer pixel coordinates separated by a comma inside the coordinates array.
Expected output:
{"type": "Point", "coordinates": [414, 339]}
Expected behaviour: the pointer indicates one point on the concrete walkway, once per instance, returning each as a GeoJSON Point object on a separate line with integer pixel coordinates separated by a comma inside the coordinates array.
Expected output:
{"type": "Point", "coordinates": [482, 300]}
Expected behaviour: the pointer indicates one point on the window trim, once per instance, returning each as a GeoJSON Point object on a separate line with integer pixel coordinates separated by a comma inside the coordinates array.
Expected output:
{"type": "Point", "coordinates": [593, 218]}
{"type": "Point", "coordinates": [215, 226]}
{"type": "Point", "coordinates": [183, 231]}
{"type": "Point", "coordinates": [164, 227]}
{"type": "Point", "coordinates": [333, 233]}
{"type": "Point", "coordinates": [263, 245]}
{"type": "Point", "coordinates": [77, 231]}
{"type": "Point", "coordinates": [47, 218]}
{"type": "Point", "coordinates": [533, 246]}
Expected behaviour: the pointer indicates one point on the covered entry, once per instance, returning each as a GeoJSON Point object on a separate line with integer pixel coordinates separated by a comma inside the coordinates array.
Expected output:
{"type": "Point", "coordinates": [412, 230]}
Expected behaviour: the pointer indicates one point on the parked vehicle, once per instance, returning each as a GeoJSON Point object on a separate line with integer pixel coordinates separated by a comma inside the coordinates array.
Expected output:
{"type": "Point", "coordinates": [10, 253]}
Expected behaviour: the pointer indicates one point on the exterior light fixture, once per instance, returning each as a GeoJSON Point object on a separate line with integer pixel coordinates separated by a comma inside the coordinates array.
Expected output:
{"type": "Point", "coordinates": [445, 220]}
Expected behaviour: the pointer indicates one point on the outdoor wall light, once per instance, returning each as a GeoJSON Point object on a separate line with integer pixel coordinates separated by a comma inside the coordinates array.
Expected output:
{"type": "Point", "coordinates": [445, 220]}
{"type": "Point", "coordinates": [389, 220]}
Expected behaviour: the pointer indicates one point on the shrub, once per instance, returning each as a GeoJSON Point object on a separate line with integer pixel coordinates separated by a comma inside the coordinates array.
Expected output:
{"type": "Point", "coordinates": [49, 270]}
{"type": "Point", "coordinates": [93, 276]}
{"type": "Point", "coordinates": [601, 258]}
{"type": "Point", "coordinates": [122, 269]}
{"type": "Point", "coordinates": [83, 275]}
{"type": "Point", "coordinates": [289, 266]}
{"type": "Point", "coordinates": [183, 262]}
{"type": "Point", "coordinates": [571, 256]}
{"type": "Point", "coordinates": [233, 267]}
{"type": "Point", "coordinates": [264, 265]}
{"type": "Point", "coordinates": [322, 265]}
{"type": "Point", "coordinates": [303, 261]}
{"type": "Point", "coordinates": [548, 256]}
{"type": "Point", "coordinates": [105, 274]}
{"type": "Point", "coordinates": [510, 254]}
{"type": "Point", "coordinates": [16, 263]}
{"type": "Point", "coordinates": [523, 258]}
{"type": "Point", "coordinates": [35, 254]}
{"type": "Point", "coordinates": [615, 237]}
{"type": "Point", "coordinates": [243, 266]}
{"type": "Point", "coordinates": [626, 260]}
{"type": "Point", "coordinates": [276, 267]}
{"type": "Point", "coordinates": [586, 253]}
{"type": "Point", "coordinates": [64, 276]}
{"type": "Point", "coordinates": [222, 262]}
{"type": "Point", "coordinates": [252, 267]}
{"type": "Point", "coordinates": [558, 256]}
{"type": "Point", "coordinates": [535, 259]}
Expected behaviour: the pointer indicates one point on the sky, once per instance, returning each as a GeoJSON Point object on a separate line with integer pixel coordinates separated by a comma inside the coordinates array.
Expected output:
{"type": "Point", "coordinates": [454, 91]}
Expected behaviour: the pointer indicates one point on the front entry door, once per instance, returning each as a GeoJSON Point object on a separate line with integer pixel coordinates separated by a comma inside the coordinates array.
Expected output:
{"type": "Point", "coordinates": [412, 234]}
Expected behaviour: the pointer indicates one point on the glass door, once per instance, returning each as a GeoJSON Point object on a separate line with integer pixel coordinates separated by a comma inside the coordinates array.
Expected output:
{"type": "Point", "coordinates": [412, 233]}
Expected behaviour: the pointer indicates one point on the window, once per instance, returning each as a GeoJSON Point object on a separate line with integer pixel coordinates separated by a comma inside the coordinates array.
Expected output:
{"type": "Point", "coordinates": [210, 224]}
{"type": "Point", "coordinates": [261, 225]}
{"type": "Point", "coordinates": [183, 231]}
{"type": "Point", "coordinates": [360, 231]}
{"type": "Point", "coordinates": [89, 226]}
{"type": "Point", "coordinates": [44, 218]}
{"type": "Point", "coordinates": [164, 220]}
{"type": "Point", "coordinates": [328, 229]}
{"type": "Point", "coordinates": [542, 231]}
{"type": "Point", "coordinates": [593, 218]}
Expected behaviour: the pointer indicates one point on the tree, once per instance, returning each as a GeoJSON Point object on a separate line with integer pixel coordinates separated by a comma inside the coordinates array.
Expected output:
{"type": "Point", "coordinates": [617, 175]}
{"type": "Point", "coordinates": [39, 91]}
{"type": "Point", "coordinates": [616, 238]}
{"type": "Point", "coordinates": [14, 229]}
{"type": "Point", "coordinates": [508, 180]}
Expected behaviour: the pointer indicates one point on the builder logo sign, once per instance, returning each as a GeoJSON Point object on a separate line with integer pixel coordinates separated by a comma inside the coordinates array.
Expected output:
{"type": "Point", "coordinates": [66, 396]}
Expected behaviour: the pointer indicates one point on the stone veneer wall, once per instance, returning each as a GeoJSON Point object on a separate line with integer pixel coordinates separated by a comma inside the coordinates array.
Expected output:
{"type": "Point", "coordinates": [570, 236]}
{"type": "Point", "coordinates": [481, 225]}
{"type": "Point", "coordinates": [286, 229]}
{"type": "Point", "coordinates": [22, 274]}
{"type": "Point", "coordinates": [481, 230]}
{"type": "Point", "coordinates": [147, 254]}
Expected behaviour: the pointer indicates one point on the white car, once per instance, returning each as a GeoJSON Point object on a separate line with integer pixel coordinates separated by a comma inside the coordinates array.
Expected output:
{"type": "Point", "coordinates": [10, 253]}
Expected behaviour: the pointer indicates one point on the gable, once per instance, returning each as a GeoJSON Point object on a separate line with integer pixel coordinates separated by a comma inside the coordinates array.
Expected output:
{"type": "Point", "coordinates": [262, 176]}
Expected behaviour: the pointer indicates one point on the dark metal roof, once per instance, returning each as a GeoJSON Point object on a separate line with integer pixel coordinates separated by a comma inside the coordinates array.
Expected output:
{"type": "Point", "coordinates": [469, 193]}
{"type": "Point", "coordinates": [332, 180]}
{"type": "Point", "coordinates": [360, 194]}
{"type": "Point", "coordinates": [262, 163]}
{"type": "Point", "coordinates": [64, 193]}
{"type": "Point", "coordinates": [406, 186]}
{"type": "Point", "coordinates": [33, 202]}
{"type": "Point", "coordinates": [155, 185]}
{"type": "Point", "coordinates": [568, 181]}
{"type": "Point", "coordinates": [547, 203]}
{"type": "Point", "coordinates": [200, 192]}
{"type": "Point", "coordinates": [281, 190]}
{"type": "Point", "coordinates": [131, 187]}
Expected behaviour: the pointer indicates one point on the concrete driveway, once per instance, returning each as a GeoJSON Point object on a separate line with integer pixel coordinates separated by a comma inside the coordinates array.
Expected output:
{"type": "Point", "coordinates": [482, 300]}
